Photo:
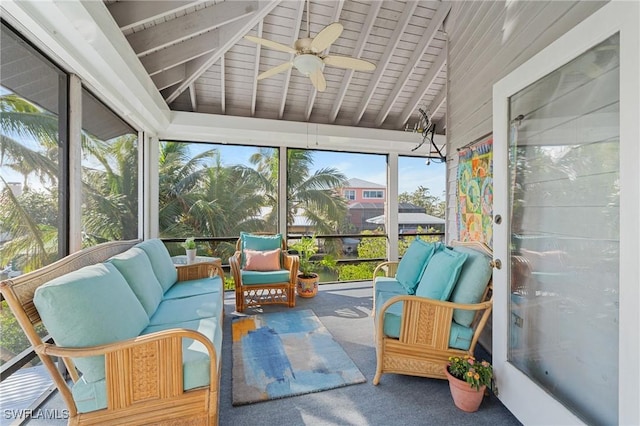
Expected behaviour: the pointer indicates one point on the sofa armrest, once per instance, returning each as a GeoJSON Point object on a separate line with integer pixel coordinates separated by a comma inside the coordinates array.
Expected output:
{"type": "Point", "coordinates": [428, 322]}
{"type": "Point", "coordinates": [126, 369]}
{"type": "Point", "coordinates": [199, 270]}
{"type": "Point", "coordinates": [389, 268]}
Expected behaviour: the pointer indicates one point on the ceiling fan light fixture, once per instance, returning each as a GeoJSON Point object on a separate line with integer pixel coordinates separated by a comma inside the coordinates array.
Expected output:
{"type": "Point", "coordinates": [307, 64]}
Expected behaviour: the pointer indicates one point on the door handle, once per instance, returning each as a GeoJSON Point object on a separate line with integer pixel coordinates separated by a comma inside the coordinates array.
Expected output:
{"type": "Point", "coordinates": [497, 263]}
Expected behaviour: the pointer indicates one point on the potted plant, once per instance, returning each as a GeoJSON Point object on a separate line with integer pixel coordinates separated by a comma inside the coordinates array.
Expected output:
{"type": "Point", "coordinates": [190, 248]}
{"type": "Point", "coordinates": [306, 248]}
{"type": "Point", "coordinates": [468, 380]}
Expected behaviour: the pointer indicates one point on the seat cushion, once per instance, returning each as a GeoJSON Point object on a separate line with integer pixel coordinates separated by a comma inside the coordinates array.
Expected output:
{"type": "Point", "coordinates": [270, 277]}
{"type": "Point", "coordinates": [93, 305]}
{"type": "Point", "coordinates": [387, 285]}
{"type": "Point", "coordinates": [160, 261]}
{"type": "Point", "coordinates": [135, 267]}
{"type": "Point", "coordinates": [196, 364]}
{"type": "Point", "coordinates": [474, 277]}
{"type": "Point", "coordinates": [258, 242]}
{"type": "Point", "coordinates": [187, 309]}
{"type": "Point", "coordinates": [460, 337]}
{"type": "Point", "coordinates": [441, 274]}
{"type": "Point", "coordinates": [413, 263]}
{"type": "Point", "coordinates": [194, 288]}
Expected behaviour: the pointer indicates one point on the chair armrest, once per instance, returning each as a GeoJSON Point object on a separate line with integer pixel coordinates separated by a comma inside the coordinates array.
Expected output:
{"type": "Point", "coordinates": [389, 268]}
{"type": "Point", "coordinates": [199, 270]}
{"type": "Point", "coordinates": [291, 263]}
{"type": "Point", "coordinates": [428, 321]}
{"type": "Point", "coordinates": [234, 266]}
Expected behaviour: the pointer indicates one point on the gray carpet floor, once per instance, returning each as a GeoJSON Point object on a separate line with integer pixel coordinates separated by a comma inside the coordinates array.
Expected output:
{"type": "Point", "coordinates": [345, 310]}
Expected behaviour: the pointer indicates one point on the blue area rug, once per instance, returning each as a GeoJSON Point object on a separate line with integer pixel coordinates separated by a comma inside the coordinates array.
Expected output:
{"type": "Point", "coordinates": [283, 354]}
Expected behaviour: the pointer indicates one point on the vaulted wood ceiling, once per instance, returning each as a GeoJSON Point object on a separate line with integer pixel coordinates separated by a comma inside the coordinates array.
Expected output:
{"type": "Point", "coordinates": [197, 57]}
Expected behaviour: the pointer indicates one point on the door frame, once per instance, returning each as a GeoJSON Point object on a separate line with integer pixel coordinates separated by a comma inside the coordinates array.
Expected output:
{"type": "Point", "coordinates": [526, 400]}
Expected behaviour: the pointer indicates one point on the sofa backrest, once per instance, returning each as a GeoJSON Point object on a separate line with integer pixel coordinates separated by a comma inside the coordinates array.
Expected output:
{"type": "Point", "coordinates": [161, 262]}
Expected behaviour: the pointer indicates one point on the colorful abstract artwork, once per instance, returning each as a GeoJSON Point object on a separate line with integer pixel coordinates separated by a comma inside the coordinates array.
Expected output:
{"type": "Point", "coordinates": [283, 354]}
{"type": "Point", "coordinates": [475, 193]}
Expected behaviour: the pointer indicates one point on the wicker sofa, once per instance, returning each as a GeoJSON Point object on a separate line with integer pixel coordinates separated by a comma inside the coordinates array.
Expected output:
{"type": "Point", "coordinates": [141, 338]}
{"type": "Point", "coordinates": [431, 305]}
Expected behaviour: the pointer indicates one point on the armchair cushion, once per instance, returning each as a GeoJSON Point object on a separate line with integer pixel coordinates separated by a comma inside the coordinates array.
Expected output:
{"type": "Point", "coordinates": [441, 274]}
{"type": "Point", "coordinates": [135, 267]}
{"type": "Point", "coordinates": [269, 277]}
{"type": "Point", "coordinates": [459, 338]}
{"type": "Point", "coordinates": [93, 305]}
{"type": "Point", "coordinates": [161, 262]}
{"type": "Point", "coordinates": [412, 264]}
{"type": "Point", "coordinates": [258, 242]}
{"type": "Point", "coordinates": [265, 260]}
{"type": "Point", "coordinates": [471, 284]}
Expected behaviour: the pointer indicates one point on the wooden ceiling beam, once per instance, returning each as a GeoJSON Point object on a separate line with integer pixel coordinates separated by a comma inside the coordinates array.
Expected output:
{"type": "Point", "coordinates": [427, 81]}
{"type": "Point", "coordinates": [169, 77]}
{"type": "Point", "coordinates": [229, 35]}
{"type": "Point", "coordinates": [382, 64]}
{"type": "Point", "coordinates": [425, 41]}
{"type": "Point", "coordinates": [192, 96]}
{"type": "Point", "coordinates": [182, 52]}
{"type": "Point", "coordinates": [129, 14]}
{"type": "Point", "coordinates": [256, 71]}
{"type": "Point", "coordinates": [223, 86]}
{"type": "Point", "coordinates": [437, 102]}
{"type": "Point", "coordinates": [287, 74]}
{"type": "Point", "coordinates": [374, 8]}
{"type": "Point", "coordinates": [187, 26]}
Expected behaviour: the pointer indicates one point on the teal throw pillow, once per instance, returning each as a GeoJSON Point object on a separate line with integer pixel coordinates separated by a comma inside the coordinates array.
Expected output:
{"type": "Point", "coordinates": [91, 306]}
{"type": "Point", "coordinates": [474, 277]}
{"type": "Point", "coordinates": [441, 274]}
{"type": "Point", "coordinates": [413, 262]}
{"type": "Point", "coordinates": [135, 267]}
{"type": "Point", "coordinates": [259, 243]}
{"type": "Point", "coordinates": [161, 262]}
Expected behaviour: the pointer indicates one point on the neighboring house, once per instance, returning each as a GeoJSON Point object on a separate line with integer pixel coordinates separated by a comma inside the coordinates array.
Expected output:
{"type": "Point", "coordinates": [362, 191]}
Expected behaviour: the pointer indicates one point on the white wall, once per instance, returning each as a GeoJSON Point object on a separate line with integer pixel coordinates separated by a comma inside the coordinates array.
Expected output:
{"type": "Point", "coordinates": [487, 40]}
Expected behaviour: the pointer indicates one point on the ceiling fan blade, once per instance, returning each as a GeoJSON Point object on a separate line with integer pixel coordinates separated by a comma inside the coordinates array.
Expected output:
{"type": "Point", "coordinates": [271, 44]}
{"type": "Point", "coordinates": [318, 81]}
{"type": "Point", "coordinates": [349, 63]}
{"type": "Point", "coordinates": [275, 70]}
{"type": "Point", "coordinates": [324, 38]}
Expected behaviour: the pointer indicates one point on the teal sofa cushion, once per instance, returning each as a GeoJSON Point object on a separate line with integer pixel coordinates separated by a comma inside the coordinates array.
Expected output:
{"type": "Point", "coordinates": [91, 306]}
{"type": "Point", "coordinates": [264, 277]}
{"type": "Point", "coordinates": [258, 242]}
{"type": "Point", "coordinates": [194, 287]}
{"type": "Point", "coordinates": [387, 285]}
{"type": "Point", "coordinates": [460, 337]}
{"type": "Point", "coordinates": [160, 261]}
{"type": "Point", "coordinates": [471, 284]}
{"type": "Point", "coordinates": [441, 274]}
{"type": "Point", "coordinates": [195, 359]}
{"type": "Point", "coordinates": [187, 309]}
{"type": "Point", "coordinates": [135, 267]}
{"type": "Point", "coordinates": [413, 263]}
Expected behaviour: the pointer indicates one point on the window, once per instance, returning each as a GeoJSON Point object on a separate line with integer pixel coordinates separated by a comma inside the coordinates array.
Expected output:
{"type": "Point", "coordinates": [372, 194]}
{"type": "Point", "coordinates": [109, 174]}
{"type": "Point", "coordinates": [350, 194]}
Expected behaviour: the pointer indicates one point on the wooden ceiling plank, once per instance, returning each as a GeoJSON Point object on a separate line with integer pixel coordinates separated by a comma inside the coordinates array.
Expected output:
{"type": "Point", "coordinates": [362, 40]}
{"type": "Point", "coordinates": [187, 26]}
{"type": "Point", "coordinates": [192, 96]}
{"type": "Point", "coordinates": [129, 14]}
{"type": "Point", "coordinates": [182, 52]}
{"type": "Point", "coordinates": [314, 92]}
{"type": "Point", "coordinates": [437, 102]}
{"type": "Point", "coordinates": [229, 35]}
{"type": "Point", "coordinates": [427, 81]}
{"type": "Point", "coordinates": [401, 81]}
{"type": "Point", "coordinates": [169, 77]}
{"type": "Point", "coordinates": [409, 8]}
{"type": "Point", "coordinates": [287, 78]}
{"type": "Point", "coordinates": [256, 71]}
{"type": "Point", "coordinates": [223, 100]}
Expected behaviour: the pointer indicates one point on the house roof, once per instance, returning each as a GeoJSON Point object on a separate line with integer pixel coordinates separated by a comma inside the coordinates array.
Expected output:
{"type": "Point", "coordinates": [410, 219]}
{"type": "Point", "coordinates": [361, 183]}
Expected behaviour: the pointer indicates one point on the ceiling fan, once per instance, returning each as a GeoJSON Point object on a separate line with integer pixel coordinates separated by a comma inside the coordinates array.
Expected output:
{"type": "Point", "coordinates": [308, 57]}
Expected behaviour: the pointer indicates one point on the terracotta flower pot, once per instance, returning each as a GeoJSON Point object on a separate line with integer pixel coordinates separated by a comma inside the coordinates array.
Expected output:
{"type": "Point", "coordinates": [464, 396]}
{"type": "Point", "coordinates": [307, 287]}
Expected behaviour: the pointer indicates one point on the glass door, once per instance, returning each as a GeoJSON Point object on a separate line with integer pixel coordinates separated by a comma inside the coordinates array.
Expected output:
{"type": "Point", "coordinates": [557, 323]}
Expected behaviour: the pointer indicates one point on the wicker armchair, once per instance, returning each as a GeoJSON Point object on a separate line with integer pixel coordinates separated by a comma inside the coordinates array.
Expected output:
{"type": "Point", "coordinates": [422, 348]}
{"type": "Point", "coordinates": [255, 288]}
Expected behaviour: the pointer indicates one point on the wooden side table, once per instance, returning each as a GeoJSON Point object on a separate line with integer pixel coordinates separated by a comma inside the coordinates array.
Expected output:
{"type": "Point", "coordinates": [203, 266]}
